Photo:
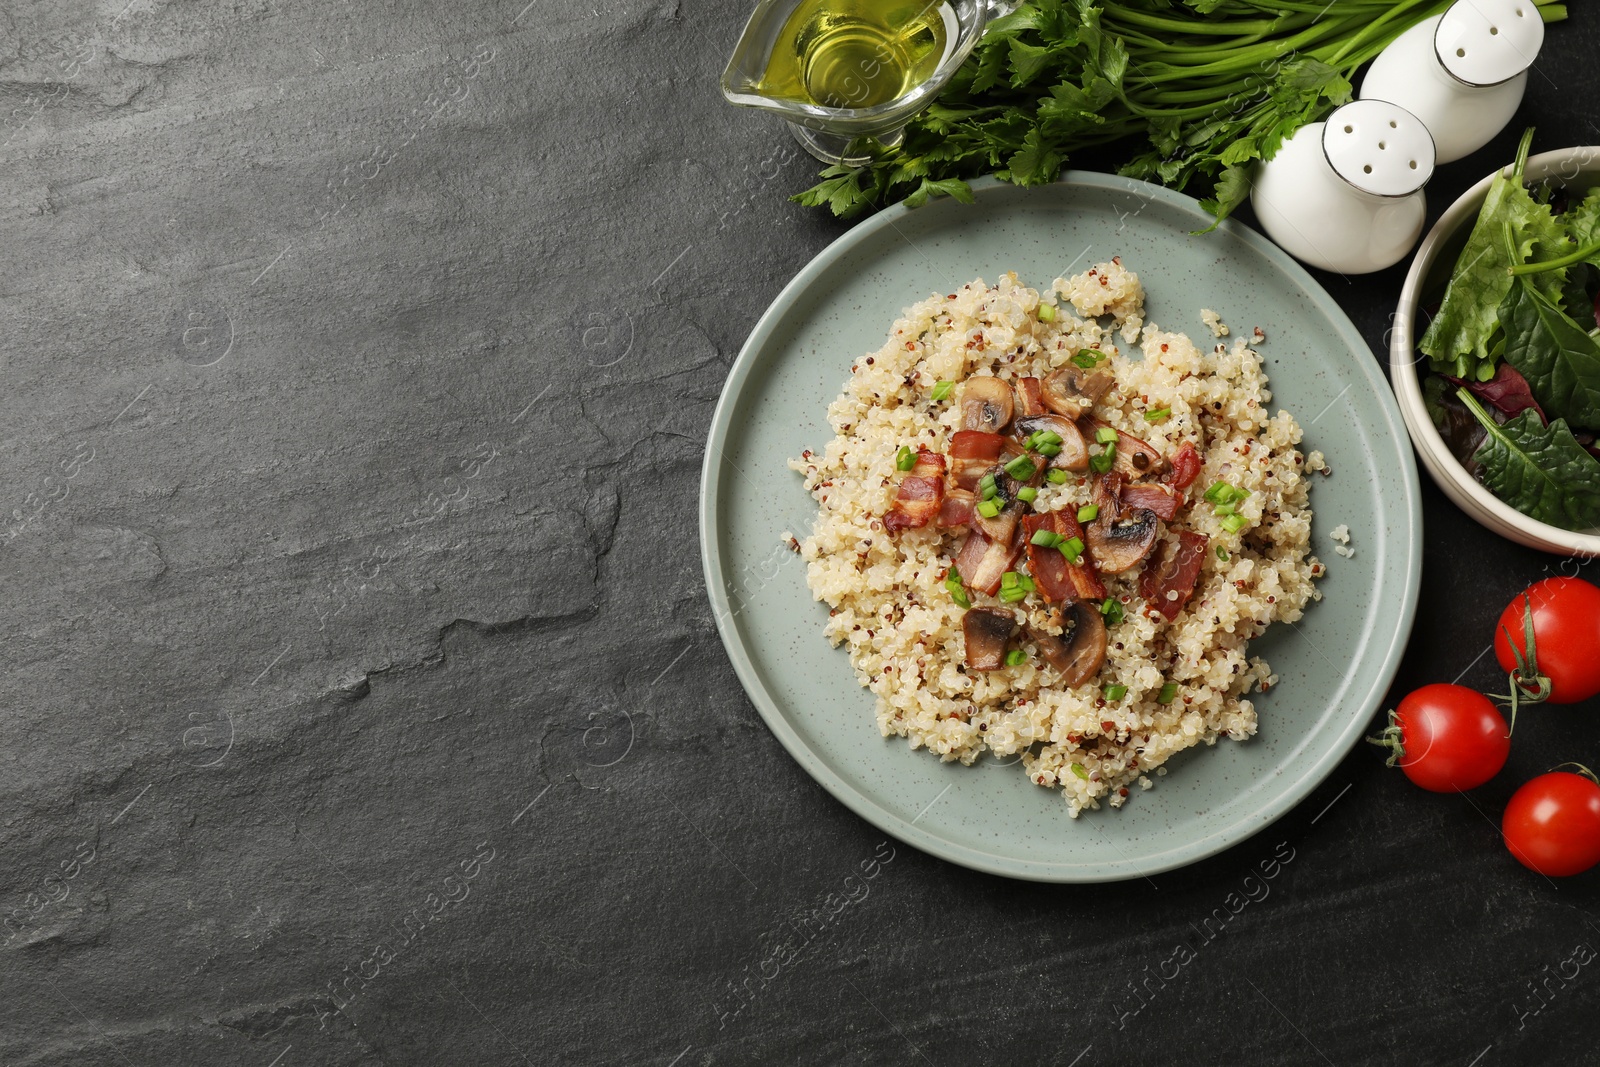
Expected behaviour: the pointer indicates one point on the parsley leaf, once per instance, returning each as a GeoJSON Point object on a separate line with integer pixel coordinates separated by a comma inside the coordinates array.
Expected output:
{"type": "Point", "coordinates": [951, 187]}
{"type": "Point", "coordinates": [1036, 163]}
{"type": "Point", "coordinates": [1153, 88]}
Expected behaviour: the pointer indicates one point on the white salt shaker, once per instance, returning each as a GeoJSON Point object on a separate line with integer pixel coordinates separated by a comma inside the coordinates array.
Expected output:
{"type": "Point", "coordinates": [1346, 194]}
{"type": "Point", "coordinates": [1462, 72]}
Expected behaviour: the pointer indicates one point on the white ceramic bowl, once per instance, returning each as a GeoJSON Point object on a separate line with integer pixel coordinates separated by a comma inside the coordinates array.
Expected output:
{"type": "Point", "coordinates": [1576, 168]}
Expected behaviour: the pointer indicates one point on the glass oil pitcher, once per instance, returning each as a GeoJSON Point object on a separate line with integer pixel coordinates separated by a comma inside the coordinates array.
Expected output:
{"type": "Point", "coordinates": [847, 73]}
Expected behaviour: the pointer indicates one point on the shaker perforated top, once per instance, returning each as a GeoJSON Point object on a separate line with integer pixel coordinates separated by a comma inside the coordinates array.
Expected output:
{"type": "Point", "coordinates": [1379, 147]}
{"type": "Point", "coordinates": [1486, 42]}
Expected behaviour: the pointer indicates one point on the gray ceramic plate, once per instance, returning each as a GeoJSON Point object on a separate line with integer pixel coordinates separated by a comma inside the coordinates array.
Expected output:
{"type": "Point", "coordinates": [1336, 663]}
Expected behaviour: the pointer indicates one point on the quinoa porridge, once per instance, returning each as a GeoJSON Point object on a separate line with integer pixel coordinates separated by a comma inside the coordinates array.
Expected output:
{"type": "Point", "coordinates": [1037, 540]}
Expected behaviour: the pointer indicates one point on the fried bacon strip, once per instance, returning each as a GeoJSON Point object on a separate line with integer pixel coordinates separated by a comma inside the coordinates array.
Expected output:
{"type": "Point", "coordinates": [1030, 398]}
{"type": "Point", "coordinates": [1186, 464]}
{"type": "Point", "coordinates": [1161, 499]}
{"type": "Point", "coordinates": [920, 495]}
{"type": "Point", "coordinates": [972, 452]}
{"type": "Point", "coordinates": [982, 562]}
{"type": "Point", "coordinates": [956, 510]}
{"type": "Point", "coordinates": [1170, 573]}
{"type": "Point", "coordinates": [1055, 578]}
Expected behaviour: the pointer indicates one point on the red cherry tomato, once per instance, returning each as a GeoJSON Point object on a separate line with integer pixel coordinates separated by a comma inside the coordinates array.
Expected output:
{"type": "Point", "coordinates": [1566, 637]}
{"type": "Point", "coordinates": [1552, 824]}
{"type": "Point", "coordinates": [1447, 738]}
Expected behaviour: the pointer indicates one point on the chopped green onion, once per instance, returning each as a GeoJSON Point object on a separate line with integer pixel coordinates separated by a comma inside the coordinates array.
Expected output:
{"type": "Point", "coordinates": [1048, 450]}
{"type": "Point", "coordinates": [1045, 539]}
{"type": "Point", "coordinates": [941, 390]}
{"type": "Point", "coordinates": [1087, 357]}
{"type": "Point", "coordinates": [905, 459]}
{"type": "Point", "coordinates": [986, 487]}
{"type": "Point", "coordinates": [1011, 596]}
{"type": "Point", "coordinates": [1111, 608]}
{"type": "Point", "coordinates": [1223, 510]}
{"type": "Point", "coordinates": [1233, 523]}
{"type": "Point", "coordinates": [1116, 692]}
{"type": "Point", "coordinates": [1010, 579]}
{"type": "Point", "coordinates": [1031, 440]}
{"type": "Point", "coordinates": [1027, 494]}
{"type": "Point", "coordinates": [1072, 548]}
{"type": "Point", "coordinates": [1222, 554]}
{"type": "Point", "coordinates": [1106, 435]}
{"type": "Point", "coordinates": [1105, 460]}
{"type": "Point", "coordinates": [1077, 768]}
{"type": "Point", "coordinates": [959, 595]}
{"type": "Point", "coordinates": [1047, 313]}
{"type": "Point", "coordinates": [1021, 468]}
{"type": "Point", "coordinates": [1169, 693]}
{"type": "Point", "coordinates": [1019, 581]}
{"type": "Point", "coordinates": [1088, 513]}
{"type": "Point", "coordinates": [1157, 415]}
{"type": "Point", "coordinates": [1056, 477]}
{"type": "Point", "coordinates": [1016, 658]}
{"type": "Point", "coordinates": [1049, 437]}
{"type": "Point", "coordinates": [989, 508]}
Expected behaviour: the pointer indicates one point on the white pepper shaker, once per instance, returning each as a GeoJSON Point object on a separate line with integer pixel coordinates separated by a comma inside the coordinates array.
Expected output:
{"type": "Point", "coordinates": [1462, 72]}
{"type": "Point", "coordinates": [1346, 194]}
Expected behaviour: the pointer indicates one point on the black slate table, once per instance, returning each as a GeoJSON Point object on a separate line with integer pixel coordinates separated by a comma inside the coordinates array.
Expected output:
{"type": "Point", "coordinates": [362, 700]}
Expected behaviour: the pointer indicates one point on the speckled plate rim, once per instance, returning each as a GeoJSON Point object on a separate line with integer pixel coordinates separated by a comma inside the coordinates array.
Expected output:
{"type": "Point", "coordinates": [1224, 836]}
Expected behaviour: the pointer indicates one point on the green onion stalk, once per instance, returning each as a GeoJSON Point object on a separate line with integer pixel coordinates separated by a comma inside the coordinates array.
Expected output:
{"type": "Point", "coordinates": [1189, 93]}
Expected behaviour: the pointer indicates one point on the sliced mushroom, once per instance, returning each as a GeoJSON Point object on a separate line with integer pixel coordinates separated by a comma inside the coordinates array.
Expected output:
{"type": "Point", "coordinates": [987, 632]}
{"type": "Point", "coordinates": [1072, 391]}
{"type": "Point", "coordinates": [1135, 458]}
{"type": "Point", "coordinates": [985, 404]}
{"type": "Point", "coordinates": [1074, 454]}
{"type": "Point", "coordinates": [1107, 495]}
{"type": "Point", "coordinates": [1120, 544]}
{"type": "Point", "coordinates": [1080, 651]}
{"type": "Point", "coordinates": [1002, 526]}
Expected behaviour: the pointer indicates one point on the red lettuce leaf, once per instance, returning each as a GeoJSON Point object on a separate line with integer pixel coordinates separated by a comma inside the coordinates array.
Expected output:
{"type": "Point", "coordinates": [1507, 392]}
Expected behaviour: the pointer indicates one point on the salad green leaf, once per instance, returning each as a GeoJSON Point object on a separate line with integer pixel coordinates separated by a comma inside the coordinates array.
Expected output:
{"type": "Point", "coordinates": [1542, 471]}
{"type": "Point", "coordinates": [1583, 222]}
{"type": "Point", "coordinates": [1469, 314]}
{"type": "Point", "coordinates": [1557, 356]}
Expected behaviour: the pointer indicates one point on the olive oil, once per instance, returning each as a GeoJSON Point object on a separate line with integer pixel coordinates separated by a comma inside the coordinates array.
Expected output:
{"type": "Point", "coordinates": [855, 53]}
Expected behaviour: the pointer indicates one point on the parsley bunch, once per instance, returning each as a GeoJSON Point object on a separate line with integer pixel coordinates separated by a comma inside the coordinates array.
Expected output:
{"type": "Point", "coordinates": [1175, 91]}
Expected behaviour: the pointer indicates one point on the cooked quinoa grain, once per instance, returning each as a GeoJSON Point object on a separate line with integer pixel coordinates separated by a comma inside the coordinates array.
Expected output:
{"type": "Point", "coordinates": [901, 626]}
